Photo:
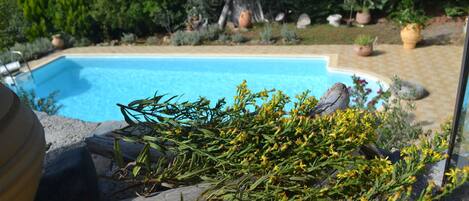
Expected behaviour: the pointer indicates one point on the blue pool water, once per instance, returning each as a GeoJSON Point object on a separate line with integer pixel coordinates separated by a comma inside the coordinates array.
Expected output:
{"type": "Point", "coordinates": [90, 87]}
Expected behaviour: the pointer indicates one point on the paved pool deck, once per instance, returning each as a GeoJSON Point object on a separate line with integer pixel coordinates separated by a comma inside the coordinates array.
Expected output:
{"type": "Point", "coordinates": [437, 68]}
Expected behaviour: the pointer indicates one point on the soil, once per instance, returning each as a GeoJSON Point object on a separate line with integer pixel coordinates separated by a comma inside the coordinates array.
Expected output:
{"type": "Point", "coordinates": [444, 31]}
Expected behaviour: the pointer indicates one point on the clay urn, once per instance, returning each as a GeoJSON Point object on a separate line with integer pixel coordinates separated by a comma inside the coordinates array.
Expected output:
{"type": "Point", "coordinates": [245, 19]}
{"type": "Point", "coordinates": [22, 148]}
{"type": "Point", "coordinates": [363, 17]}
{"type": "Point", "coordinates": [364, 50]}
{"type": "Point", "coordinates": [58, 42]}
{"type": "Point", "coordinates": [411, 35]}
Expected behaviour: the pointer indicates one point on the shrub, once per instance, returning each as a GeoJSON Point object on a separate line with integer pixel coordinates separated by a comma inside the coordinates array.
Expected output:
{"type": "Point", "coordinates": [407, 13]}
{"type": "Point", "coordinates": [186, 38]}
{"type": "Point", "coordinates": [82, 42]}
{"type": "Point", "coordinates": [266, 35]}
{"type": "Point", "coordinates": [48, 104]}
{"type": "Point", "coordinates": [364, 40]}
{"type": "Point", "coordinates": [32, 50]}
{"type": "Point", "coordinates": [128, 38]}
{"type": "Point", "coordinates": [152, 40]}
{"type": "Point", "coordinates": [224, 38]}
{"type": "Point", "coordinates": [211, 32]}
{"type": "Point", "coordinates": [257, 150]}
{"type": "Point", "coordinates": [288, 36]}
{"type": "Point", "coordinates": [238, 38]}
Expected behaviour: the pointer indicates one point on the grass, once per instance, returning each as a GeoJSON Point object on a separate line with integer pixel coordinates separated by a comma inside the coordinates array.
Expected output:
{"type": "Point", "coordinates": [326, 34]}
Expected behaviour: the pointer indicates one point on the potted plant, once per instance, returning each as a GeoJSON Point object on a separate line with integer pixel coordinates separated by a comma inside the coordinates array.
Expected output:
{"type": "Point", "coordinates": [412, 21]}
{"type": "Point", "coordinates": [363, 15]}
{"type": "Point", "coordinates": [364, 45]}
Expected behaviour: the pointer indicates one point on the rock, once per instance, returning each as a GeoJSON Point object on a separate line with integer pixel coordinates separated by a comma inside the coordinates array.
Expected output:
{"type": "Point", "coordinates": [189, 193]}
{"type": "Point", "coordinates": [166, 40]}
{"type": "Point", "coordinates": [70, 176]}
{"type": "Point", "coordinates": [303, 21]}
{"type": "Point", "coordinates": [408, 90]}
{"type": "Point", "coordinates": [383, 20]}
{"type": "Point", "coordinates": [280, 17]}
{"type": "Point", "coordinates": [230, 26]}
{"type": "Point", "coordinates": [336, 98]}
{"type": "Point", "coordinates": [63, 133]}
{"type": "Point", "coordinates": [114, 42]}
{"type": "Point", "coordinates": [108, 126]}
{"type": "Point", "coordinates": [334, 20]}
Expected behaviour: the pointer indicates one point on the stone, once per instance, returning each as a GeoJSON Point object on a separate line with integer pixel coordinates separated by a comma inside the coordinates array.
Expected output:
{"type": "Point", "coordinates": [188, 193]}
{"type": "Point", "coordinates": [336, 98]}
{"type": "Point", "coordinates": [230, 26]}
{"type": "Point", "coordinates": [166, 40]}
{"type": "Point", "coordinates": [109, 126]}
{"type": "Point", "coordinates": [334, 20]}
{"type": "Point", "coordinates": [70, 176]}
{"type": "Point", "coordinates": [280, 17]}
{"type": "Point", "coordinates": [408, 90]}
{"type": "Point", "coordinates": [63, 133]}
{"type": "Point", "coordinates": [303, 21]}
{"type": "Point", "coordinates": [383, 20]}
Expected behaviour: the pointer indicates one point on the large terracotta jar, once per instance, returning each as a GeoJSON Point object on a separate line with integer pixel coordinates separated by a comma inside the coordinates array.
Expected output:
{"type": "Point", "coordinates": [411, 35]}
{"type": "Point", "coordinates": [22, 149]}
{"type": "Point", "coordinates": [58, 42]}
{"type": "Point", "coordinates": [245, 19]}
{"type": "Point", "coordinates": [363, 17]}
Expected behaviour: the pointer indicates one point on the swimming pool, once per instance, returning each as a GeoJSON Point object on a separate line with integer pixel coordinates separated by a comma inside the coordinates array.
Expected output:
{"type": "Point", "coordinates": [90, 87]}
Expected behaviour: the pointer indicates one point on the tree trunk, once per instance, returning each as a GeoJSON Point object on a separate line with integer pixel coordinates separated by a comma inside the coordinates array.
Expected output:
{"type": "Point", "coordinates": [224, 14]}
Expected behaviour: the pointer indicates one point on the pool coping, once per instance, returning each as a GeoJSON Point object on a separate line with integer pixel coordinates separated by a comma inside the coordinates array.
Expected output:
{"type": "Point", "coordinates": [332, 61]}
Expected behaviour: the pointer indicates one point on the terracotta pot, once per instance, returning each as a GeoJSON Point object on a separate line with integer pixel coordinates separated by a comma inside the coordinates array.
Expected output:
{"type": "Point", "coordinates": [22, 148]}
{"type": "Point", "coordinates": [411, 35]}
{"type": "Point", "coordinates": [363, 17]}
{"type": "Point", "coordinates": [245, 19]}
{"type": "Point", "coordinates": [364, 50]}
{"type": "Point", "coordinates": [58, 42]}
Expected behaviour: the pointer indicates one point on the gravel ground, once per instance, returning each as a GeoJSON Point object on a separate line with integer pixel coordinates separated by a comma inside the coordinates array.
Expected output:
{"type": "Point", "coordinates": [63, 133]}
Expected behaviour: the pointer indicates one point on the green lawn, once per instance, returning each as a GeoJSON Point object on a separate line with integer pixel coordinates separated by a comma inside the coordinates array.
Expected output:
{"type": "Point", "coordinates": [326, 34]}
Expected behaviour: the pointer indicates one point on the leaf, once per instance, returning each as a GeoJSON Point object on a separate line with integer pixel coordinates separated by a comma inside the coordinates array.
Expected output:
{"type": "Point", "coordinates": [258, 182]}
{"type": "Point", "coordinates": [118, 154]}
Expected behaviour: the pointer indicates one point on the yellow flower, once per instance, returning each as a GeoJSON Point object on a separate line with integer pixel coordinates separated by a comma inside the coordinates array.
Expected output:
{"type": "Point", "coordinates": [264, 160]}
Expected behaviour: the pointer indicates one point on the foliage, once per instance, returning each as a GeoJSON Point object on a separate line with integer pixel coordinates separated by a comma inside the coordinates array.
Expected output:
{"type": "Point", "coordinates": [366, 5]}
{"type": "Point", "coordinates": [128, 38]}
{"type": "Point", "coordinates": [266, 34]}
{"type": "Point", "coordinates": [152, 40]}
{"type": "Point", "coordinates": [72, 16]}
{"type": "Point", "coordinates": [364, 40]}
{"type": "Point", "coordinates": [37, 12]}
{"type": "Point", "coordinates": [48, 104]}
{"type": "Point", "coordinates": [256, 150]}
{"type": "Point", "coordinates": [12, 25]}
{"type": "Point", "coordinates": [224, 38]}
{"type": "Point", "coordinates": [238, 38]}
{"type": "Point", "coordinates": [288, 36]}
{"type": "Point", "coordinates": [186, 38]}
{"type": "Point", "coordinates": [396, 129]}
{"type": "Point", "coordinates": [209, 9]}
{"type": "Point", "coordinates": [211, 32]}
{"type": "Point", "coordinates": [30, 50]}
{"type": "Point", "coordinates": [407, 13]}
{"type": "Point", "coordinates": [455, 11]}
{"type": "Point", "coordinates": [359, 93]}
